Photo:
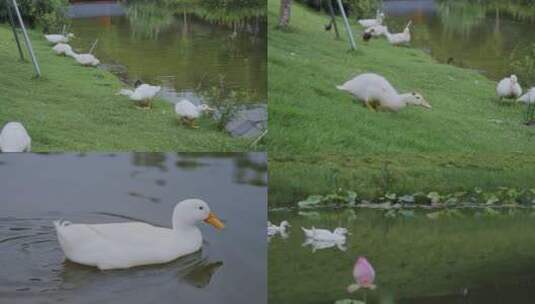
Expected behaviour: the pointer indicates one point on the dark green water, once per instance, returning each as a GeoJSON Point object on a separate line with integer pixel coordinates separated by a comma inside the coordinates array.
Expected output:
{"type": "Point", "coordinates": [484, 35]}
{"type": "Point", "coordinates": [417, 260]}
{"type": "Point", "coordinates": [101, 188]}
{"type": "Point", "coordinates": [188, 50]}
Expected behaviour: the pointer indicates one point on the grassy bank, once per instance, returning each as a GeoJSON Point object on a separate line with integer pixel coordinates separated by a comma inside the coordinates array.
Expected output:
{"type": "Point", "coordinates": [320, 139]}
{"type": "Point", "coordinates": [72, 108]}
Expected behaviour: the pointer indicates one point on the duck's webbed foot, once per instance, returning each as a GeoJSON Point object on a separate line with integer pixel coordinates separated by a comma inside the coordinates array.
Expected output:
{"type": "Point", "coordinates": [370, 106]}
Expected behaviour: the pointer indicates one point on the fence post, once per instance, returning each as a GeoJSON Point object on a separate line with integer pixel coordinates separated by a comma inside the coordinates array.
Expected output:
{"type": "Point", "coordinates": [346, 24]}
{"type": "Point", "coordinates": [27, 39]}
{"type": "Point", "coordinates": [13, 27]}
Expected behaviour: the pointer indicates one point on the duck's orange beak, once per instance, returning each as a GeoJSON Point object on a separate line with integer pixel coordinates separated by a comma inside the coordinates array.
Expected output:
{"type": "Point", "coordinates": [213, 220]}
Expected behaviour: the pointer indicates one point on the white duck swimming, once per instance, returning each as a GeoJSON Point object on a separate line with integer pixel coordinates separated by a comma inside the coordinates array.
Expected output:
{"type": "Point", "coordinates": [188, 113]}
{"type": "Point", "coordinates": [400, 38]}
{"type": "Point", "coordinates": [62, 49]}
{"type": "Point", "coordinates": [376, 92]}
{"type": "Point", "coordinates": [15, 138]}
{"type": "Point", "coordinates": [509, 88]}
{"type": "Point", "coordinates": [125, 245]}
{"type": "Point", "coordinates": [59, 38]}
{"type": "Point", "coordinates": [379, 18]}
{"type": "Point", "coordinates": [324, 235]}
{"type": "Point", "coordinates": [142, 94]}
{"type": "Point", "coordinates": [274, 229]}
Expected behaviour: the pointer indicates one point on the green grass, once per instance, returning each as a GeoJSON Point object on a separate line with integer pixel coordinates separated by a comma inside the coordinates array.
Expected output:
{"type": "Point", "coordinates": [320, 138]}
{"type": "Point", "coordinates": [73, 108]}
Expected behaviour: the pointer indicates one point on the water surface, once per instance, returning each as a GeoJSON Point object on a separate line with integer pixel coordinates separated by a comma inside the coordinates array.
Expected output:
{"type": "Point", "coordinates": [471, 259]}
{"type": "Point", "coordinates": [103, 188]}
{"type": "Point", "coordinates": [193, 51]}
{"type": "Point", "coordinates": [483, 35]}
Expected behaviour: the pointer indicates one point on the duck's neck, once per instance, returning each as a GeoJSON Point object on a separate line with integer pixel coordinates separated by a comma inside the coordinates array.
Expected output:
{"type": "Point", "coordinates": [405, 98]}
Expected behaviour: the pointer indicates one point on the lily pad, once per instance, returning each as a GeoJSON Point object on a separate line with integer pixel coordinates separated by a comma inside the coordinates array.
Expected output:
{"type": "Point", "coordinates": [311, 201]}
{"type": "Point", "coordinates": [349, 301]}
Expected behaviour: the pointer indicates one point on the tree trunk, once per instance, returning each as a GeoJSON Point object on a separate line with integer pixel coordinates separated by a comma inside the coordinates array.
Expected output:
{"type": "Point", "coordinates": [285, 13]}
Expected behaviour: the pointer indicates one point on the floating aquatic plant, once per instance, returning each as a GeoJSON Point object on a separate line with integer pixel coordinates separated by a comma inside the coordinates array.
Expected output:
{"type": "Point", "coordinates": [502, 197]}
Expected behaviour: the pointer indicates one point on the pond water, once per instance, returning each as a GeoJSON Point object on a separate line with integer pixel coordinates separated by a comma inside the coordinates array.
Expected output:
{"type": "Point", "coordinates": [482, 35]}
{"type": "Point", "coordinates": [191, 50]}
{"type": "Point", "coordinates": [471, 259]}
{"type": "Point", "coordinates": [100, 188]}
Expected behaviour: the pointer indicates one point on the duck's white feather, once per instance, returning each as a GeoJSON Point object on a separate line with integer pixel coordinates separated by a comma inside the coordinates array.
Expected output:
{"type": "Point", "coordinates": [57, 38]}
{"type": "Point", "coordinates": [529, 97]}
{"type": "Point", "coordinates": [186, 109]}
{"type": "Point", "coordinates": [15, 138]}
{"type": "Point", "coordinates": [367, 23]}
{"type": "Point", "coordinates": [324, 235]}
{"type": "Point", "coordinates": [509, 88]}
{"type": "Point", "coordinates": [143, 92]}
{"type": "Point", "coordinates": [371, 88]}
{"type": "Point", "coordinates": [62, 49]}
{"type": "Point", "coordinates": [399, 38]}
{"type": "Point", "coordinates": [124, 245]}
{"type": "Point", "coordinates": [84, 59]}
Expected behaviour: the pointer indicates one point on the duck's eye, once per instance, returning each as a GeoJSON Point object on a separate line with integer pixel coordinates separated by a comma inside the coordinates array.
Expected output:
{"type": "Point", "coordinates": [201, 208]}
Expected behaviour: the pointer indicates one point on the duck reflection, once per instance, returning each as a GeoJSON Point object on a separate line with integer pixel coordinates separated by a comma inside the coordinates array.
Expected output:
{"type": "Point", "coordinates": [193, 270]}
{"type": "Point", "coordinates": [319, 245]}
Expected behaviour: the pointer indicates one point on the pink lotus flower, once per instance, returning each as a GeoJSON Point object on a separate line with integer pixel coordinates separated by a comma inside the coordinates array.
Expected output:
{"type": "Point", "coordinates": [364, 275]}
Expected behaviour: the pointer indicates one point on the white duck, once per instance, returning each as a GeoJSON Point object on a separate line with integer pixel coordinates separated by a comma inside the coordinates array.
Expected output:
{"type": "Point", "coordinates": [62, 49]}
{"type": "Point", "coordinates": [84, 59]}
{"type": "Point", "coordinates": [529, 97]}
{"type": "Point", "coordinates": [509, 88]}
{"type": "Point", "coordinates": [142, 95]}
{"type": "Point", "coordinates": [379, 18]}
{"type": "Point", "coordinates": [15, 138]}
{"type": "Point", "coordinates": [377, 93]}
{"type": "Point", "coordinates": [59, 38]}
{"type": "Point", "coordinates": [400, 38]}
{"type": "Point", "coordinates": [374, 31]}
{"type": "Point", "coordinates": [324, 235]}
{"type": "Point", "coordinates": [274, 229]}
{"type": "Point", "coordinates": [125, 245]}
{"type": "Point", "coordinates": [188, 113]}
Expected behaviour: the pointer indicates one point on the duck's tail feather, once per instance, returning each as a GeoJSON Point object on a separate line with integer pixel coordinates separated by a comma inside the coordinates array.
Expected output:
{"type": "Point", "coordinates": [341, 87]}
{"type": "Point", "coordinates": [61, 223]}
{"type": "Point", "coordinates": [126, 92]}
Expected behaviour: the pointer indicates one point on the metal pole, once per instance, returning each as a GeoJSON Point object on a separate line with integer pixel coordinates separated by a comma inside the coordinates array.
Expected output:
{"type": "Point", "coordinates": [93, 46]}
{"type": "Point", "coordinates": [333, 18]}
{"type": "Point", "coordinates": [13, 27]}
{"type": "Point", "coordinates": [27, 39]}
{"type": "Point", "coordinates": [346, 24]}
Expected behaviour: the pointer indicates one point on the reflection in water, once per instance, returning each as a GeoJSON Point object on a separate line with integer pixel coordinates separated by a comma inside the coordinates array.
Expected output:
{"type": "Point", "coordinates": [319, 245]}
{"type": "Point", "coordinates": [489, 36]}
{"type": "Point", "coordinates": [193, 269]}
{"type": "Point", "coordinates": [191, 50]}
{"type": "Point", "coordinates": [417, 260]}
{"type": "Point", "coordinates": [150, 159]}
{"type": "Point", "coordinates": [250, 168]}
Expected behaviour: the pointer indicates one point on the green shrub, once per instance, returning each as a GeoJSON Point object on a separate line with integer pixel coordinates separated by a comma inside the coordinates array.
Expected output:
{"type": "Point", "coordinates": [47, 14]}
